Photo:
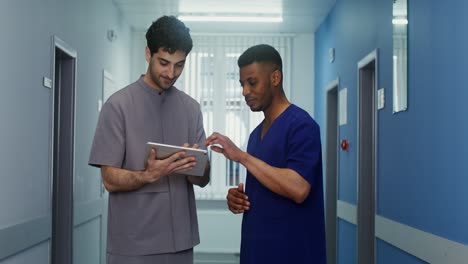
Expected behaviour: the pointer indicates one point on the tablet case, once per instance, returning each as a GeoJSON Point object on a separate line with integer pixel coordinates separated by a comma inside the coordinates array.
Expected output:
{"type": "Point", "coordinates": [164, 150]}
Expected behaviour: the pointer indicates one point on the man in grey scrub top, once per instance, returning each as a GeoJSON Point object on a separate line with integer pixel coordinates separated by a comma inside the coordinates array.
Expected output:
{"type": "Point", "coordinates": [152, 214]}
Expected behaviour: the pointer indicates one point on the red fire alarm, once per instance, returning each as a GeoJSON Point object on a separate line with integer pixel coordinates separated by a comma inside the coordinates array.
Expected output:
{"type": "Point", "coordinates": [344, 145]}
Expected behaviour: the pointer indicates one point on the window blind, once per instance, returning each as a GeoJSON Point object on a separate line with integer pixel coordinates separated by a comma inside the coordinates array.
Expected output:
{"type": "Point", "coordinates": [211, 76]}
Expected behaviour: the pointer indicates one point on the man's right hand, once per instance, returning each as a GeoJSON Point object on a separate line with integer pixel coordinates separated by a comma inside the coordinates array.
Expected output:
{"type": "Point", "coordinates": [237, 200]}
{"type": "Point", "coordinates": [122, 180]}
{"type": "Point", "coordinates": [157, 168]}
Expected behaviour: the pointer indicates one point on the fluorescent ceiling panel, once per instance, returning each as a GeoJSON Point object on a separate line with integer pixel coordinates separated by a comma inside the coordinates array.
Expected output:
{"type": "Point", "coordinates": [236, 6]}
{"type": "Point", "coordinates": [230, 18]}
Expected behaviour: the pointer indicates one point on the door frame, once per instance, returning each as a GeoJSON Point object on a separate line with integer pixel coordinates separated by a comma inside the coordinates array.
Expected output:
{"type": "Point", "coordinates": [66, 246]}
{"type": "Point", "coordinates": [364, 256]}
{"type": "Point", "coordinates": [332, 159]}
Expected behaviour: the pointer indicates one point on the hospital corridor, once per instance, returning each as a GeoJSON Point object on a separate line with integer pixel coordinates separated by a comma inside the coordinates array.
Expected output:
{"type": "Point", "coordinates": [385, 80]}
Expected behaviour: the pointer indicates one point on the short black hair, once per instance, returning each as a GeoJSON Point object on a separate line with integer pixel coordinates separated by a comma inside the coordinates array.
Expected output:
{"type": "Point", "coordinates": [261, 53]}
{"type": "Point", "coordinates": [169, 33]}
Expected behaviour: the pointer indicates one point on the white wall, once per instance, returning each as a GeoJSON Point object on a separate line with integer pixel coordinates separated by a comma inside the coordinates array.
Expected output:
{"type": "Point", "coordinates": [138, 55]}
{"type": "Point", "coordinates": [302, 76]}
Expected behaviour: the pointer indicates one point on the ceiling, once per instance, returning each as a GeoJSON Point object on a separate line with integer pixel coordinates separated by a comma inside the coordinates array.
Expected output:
{"type": "Point", "coordinates": [299, 16]}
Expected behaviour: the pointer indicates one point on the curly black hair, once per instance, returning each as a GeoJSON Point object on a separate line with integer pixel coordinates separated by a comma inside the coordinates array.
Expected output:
{"type": "Point", "coordinates": [169, 33]}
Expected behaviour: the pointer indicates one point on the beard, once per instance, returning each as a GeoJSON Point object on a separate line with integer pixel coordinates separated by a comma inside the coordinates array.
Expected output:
{"type": "Point", "coordinates": [160, 81]}
{"type": "Point", "coordinates": [259, 103]}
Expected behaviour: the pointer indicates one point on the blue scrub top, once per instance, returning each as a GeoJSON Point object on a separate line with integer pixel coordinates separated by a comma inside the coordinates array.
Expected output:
{"type": "Point", "coordinates": [276, 229]}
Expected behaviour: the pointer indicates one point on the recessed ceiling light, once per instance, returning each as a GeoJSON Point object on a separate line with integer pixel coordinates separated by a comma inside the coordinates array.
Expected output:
{"type": "Point", "coordinates": [231, 18]}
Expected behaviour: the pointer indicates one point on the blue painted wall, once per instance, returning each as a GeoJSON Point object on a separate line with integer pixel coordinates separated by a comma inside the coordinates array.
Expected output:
{"type": "Point", "coordinates": [423, 152]}
{"type": "Point", "coordinates": [347, 250]}
{"type": "Point", "coordinates": [388, 254]}
{"type": "Point", "coordinates": [353, 29]}
{"type": "Point", "coordinates": [425, 183]}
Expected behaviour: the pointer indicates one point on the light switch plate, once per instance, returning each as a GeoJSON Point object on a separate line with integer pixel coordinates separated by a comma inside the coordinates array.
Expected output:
{"type": "Point", "coordinates": [343, 106]}
{"type": "Point", "coordinates": [331, 55]}
{"type": "Point", "coordinates": [47, 82]}
{"type": "Point", "coordinates": [380, 98]}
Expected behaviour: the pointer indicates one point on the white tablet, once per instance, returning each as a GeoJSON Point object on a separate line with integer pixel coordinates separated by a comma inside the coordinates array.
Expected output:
{"type": "Point", "coordinates": [163, 151]}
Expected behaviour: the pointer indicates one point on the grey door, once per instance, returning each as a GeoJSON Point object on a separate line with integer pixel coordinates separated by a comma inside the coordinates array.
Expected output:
{"type": "Point", "coordinates": [367, 83]}
{"type": "Point", "coordinates": [331, 171]}
{"type": "Point", "coordinates": [63, 152]}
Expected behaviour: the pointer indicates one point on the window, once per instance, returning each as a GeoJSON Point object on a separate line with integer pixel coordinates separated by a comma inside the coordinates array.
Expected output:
{"type": "Point", "coordinates": [211, 76]}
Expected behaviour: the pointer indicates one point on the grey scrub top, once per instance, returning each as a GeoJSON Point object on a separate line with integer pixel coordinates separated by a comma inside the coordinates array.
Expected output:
{"type": "Point", "coordinates": [159, 217]}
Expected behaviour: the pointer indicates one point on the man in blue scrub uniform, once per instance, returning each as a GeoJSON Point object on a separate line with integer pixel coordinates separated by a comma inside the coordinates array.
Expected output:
{"type": "Point", "coordinates": [283, 219]}
{"type": "Point", "coordinates": [152, 213]}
